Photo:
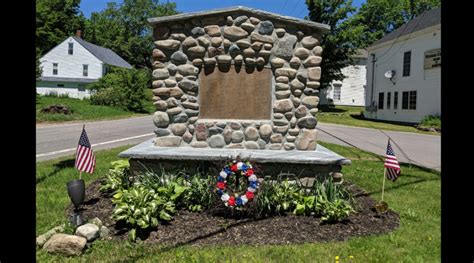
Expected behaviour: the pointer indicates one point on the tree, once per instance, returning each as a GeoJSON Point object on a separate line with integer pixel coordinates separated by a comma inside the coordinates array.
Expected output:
{"type": "Point", "coordinates": [376, 18]}
{"type": "Point", "coordinates": [55, 21]}
{"type": "Point", "coordinates": [124, 29]}
{"type": "Point", "coordinates": [38, 65]}
{"type": "Point", "coordinates": [337, 44]}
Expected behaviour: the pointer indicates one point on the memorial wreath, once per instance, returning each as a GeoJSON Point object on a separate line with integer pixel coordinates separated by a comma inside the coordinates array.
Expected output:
{"type": "Point", "coordinates": [237, 168]}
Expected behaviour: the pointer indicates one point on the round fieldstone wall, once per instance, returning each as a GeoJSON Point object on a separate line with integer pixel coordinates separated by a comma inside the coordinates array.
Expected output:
{"type": "Point", "coordinates": [185, 48]}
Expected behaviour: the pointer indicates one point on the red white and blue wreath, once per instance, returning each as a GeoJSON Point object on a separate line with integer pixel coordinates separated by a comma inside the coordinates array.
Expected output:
{"type": "Point", "coordinates": [235, 169]}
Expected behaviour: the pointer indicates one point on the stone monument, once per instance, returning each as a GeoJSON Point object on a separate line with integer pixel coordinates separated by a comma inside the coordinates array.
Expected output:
{"type": "Point", "coordinates": [237, 81]}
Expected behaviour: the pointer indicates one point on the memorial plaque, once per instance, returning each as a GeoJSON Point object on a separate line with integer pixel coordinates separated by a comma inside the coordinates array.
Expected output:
{"type": "Point", "coordinates": [432, 58]}
{"type": "Point", "coordinates": [236, 94]}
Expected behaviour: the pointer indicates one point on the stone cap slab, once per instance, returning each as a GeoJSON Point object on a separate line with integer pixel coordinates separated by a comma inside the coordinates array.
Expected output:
{"type": "Point", "coordinates": [241, 10]}
{"type": "Point", "coordinates": [321, 155]}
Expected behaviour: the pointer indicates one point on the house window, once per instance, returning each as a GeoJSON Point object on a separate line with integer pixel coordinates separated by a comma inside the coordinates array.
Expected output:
{"type": "Point", "coordinates": [381, 101]}
{"type": "Point", "coordinates": [395, 100]}
{"type": "Point", "coordinates": [81, 87]}
{"type": "Point", "coordinates": [337, 93]}
{"type": "Point", "coordinates": [405, 100]}
{"type": "Point", "coordinates": [60, 85]}
{"type": "Point", "coordinates": [85, 70]}
{"type": "Point", "coordinates": [412, 103]}
{"type": "Point", "coordinates": [55, 68]}
{"type": "Point", "coordinates": [389, 98]}
{"type": "Point", "coordinates": [70, 48]}
{"type": "Point", "coordinates": [406, 63]}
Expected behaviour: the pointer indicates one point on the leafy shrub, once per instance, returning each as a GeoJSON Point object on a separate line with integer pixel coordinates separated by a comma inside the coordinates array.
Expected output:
{"type": "Point", "coordinates": [333, 202]}
{"type": "Point", "coordinates": [199, 194]}
{"type": "Point", "coordinates": [431, 121]}
{"type": "Point", "coordinates": [117, 177]}
{"type": "Point", "coordinates": [123, 88]}
{"type": "Point", "coordinates": [277, 197]}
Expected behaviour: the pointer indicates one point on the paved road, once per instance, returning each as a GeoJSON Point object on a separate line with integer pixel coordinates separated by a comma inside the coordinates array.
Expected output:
{"type": "Point", "coordinates": [56, 140]}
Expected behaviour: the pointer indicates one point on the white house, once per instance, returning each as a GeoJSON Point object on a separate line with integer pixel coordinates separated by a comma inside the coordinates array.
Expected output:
{"type": "Point", "coordinates": [351, 90]}
{"type": "Point", "coordinates": [74, 63]}
{"type": "Point", "coordinates": [404, 71]}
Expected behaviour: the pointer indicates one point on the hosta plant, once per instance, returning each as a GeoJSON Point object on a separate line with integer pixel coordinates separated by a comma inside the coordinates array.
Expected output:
{"type": "Point", "coordinates": [117, 176]}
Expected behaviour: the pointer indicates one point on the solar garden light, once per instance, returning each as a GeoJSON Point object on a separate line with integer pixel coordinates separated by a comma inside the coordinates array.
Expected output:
{"type": "Point", "coordinates": [76, 191]}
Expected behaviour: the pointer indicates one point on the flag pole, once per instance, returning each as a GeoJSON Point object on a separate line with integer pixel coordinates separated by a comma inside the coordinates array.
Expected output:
{"type": "Point", "coordinates": [383, 182]}
{"type": "Point", "coordinates": [80, 172]}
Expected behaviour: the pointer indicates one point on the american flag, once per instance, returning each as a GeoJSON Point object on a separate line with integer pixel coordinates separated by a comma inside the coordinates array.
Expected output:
{"type": "Point", "coordinates": [85, 158]}
{"type": "Point", "coordinates": [391, 163]}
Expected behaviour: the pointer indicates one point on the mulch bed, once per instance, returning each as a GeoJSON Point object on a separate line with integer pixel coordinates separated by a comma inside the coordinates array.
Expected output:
{"type": "Point", "coordinates": [208, 228]}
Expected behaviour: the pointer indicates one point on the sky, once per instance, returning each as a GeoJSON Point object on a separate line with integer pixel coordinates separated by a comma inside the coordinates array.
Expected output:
{"type": "Point", "coordinates": [294, 8]}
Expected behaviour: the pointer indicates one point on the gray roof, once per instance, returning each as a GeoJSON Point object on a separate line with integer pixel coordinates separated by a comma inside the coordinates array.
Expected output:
{"type": "Point", "coordinates": [426, 19]}
{"type": "Point", "coordinates": [58, 79]}
{"type": "Point", "coordinates": [104, 54]}
{"type": "Point", "coordinates": [240, 10]}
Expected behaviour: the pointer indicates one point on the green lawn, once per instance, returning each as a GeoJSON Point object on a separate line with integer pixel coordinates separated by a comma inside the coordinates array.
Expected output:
{"type": "Point", "coordinates": [81, 110]}
{"type": "Point", "coordinates": [416, 196]}
{"type": "Point", "coordinates": [351, 116]}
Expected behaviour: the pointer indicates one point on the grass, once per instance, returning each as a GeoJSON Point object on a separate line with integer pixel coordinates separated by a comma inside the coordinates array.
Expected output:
{"type": "Point", "coordinates": [351, 116]}
{"type": "Point", "coordinates": [81, 110]}
{"type": "Point", "coordinates": [415, 196]}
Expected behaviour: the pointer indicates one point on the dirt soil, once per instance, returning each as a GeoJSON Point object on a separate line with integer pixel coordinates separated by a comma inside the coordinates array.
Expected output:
{"type": "Point", "coordinates": [210, 228]}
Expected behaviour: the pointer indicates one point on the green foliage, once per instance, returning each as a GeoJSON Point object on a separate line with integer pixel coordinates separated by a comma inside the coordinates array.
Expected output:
{"type": "Point", "coordinates": [333, 202]}
{"type": "Point", "coordinates": [55, 21]}
{"type": "Point", "coordinates": [122, 88]}
{"type": "Point", "coordinates": [124, 29]}
{"type": "Point", "coordinates": [199, 194]}
{"type": "Point", "coordinates": [141, 207]}
{"type": "Point", "coordinates": [277, 197]}
{"type": "Point", "coordinates": [117, 177]}
{"type": "Point", "coordinates": [431, 121]}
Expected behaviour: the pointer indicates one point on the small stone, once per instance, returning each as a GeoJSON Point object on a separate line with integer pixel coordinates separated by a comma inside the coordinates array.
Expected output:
{"type": "Point", "coordinates": [216, 141]}
{"type": "Point", "coordinates": [276, 138]}
{"type": "Point", "coordinates": [209, 62]}
{"type": "Point", "coordinates": [239, 20]}
{"type": "Point", "coordinates": [168, 44]}
{"type": "Point", "coordinates": [310, 101]}
{"type": "Point", "coordinates": [275, 146]}
{"type": "Point", "coordinates": [288, 115]}
{"type": "Point", "coordinates": [283, 94]}
{"type": "Point", "coordinates": [280, 32]}
{"type": "Point", "coordinates": [277, 62]}
{"type": "Point", "coordinates": [267, 46]}
{"type": "Point", "coordinates": [250, 61]}
{"type": "Point", "coordinates": [229, 21]}
{"type": "Point", "coordinates": [162, 132]}
{"type": "Point", "coordinates": [260, 61]}
{"type": "Point", "coordinates": [216, 41]}
{"type": "Point", "coordinates": [198, 31]}
{"type": "Point", "coordinates": [69, 245]}
{"type": "Point", "coordinates": [160, 105]}
{"type": "Point", "coordinates": [251, 145]}
{"type": "Point", "coordinates": [191, 127]}
{"type": "Point", "coordinates": [187, 69]}
{"type": "Point", "coordinates": [172, 69]}
{"type": "Point", "coordinates": [227, 133]}
{"type": "Point", "coordinates": [265, 131]}
{"type": "Point", "coordinates": [180, 118]}
{"type": "Point", "coordinates": [199, 144]}
{"type": "Point", "coordinates": [40, 240]}
{"type": "Point", "coordinates": [160, 74]}
{"type": "Point", "coordinates": [248, 27]}
{"type": "Point", "coordinates": [254, 37]}
{"type": "Point", "coordinates": [158, 55]}
{"type": "Point", "coordinates": [187, 137]}
{"type": "Point", "coordinates": [281, 86]}
{"type": "Point", "coordinates": [178, 129]}
{"type": "Point", "coordinates": [191, 113]}
{"type": "Point", "coordinates": [317, 51]}
{"type": "Point", "coordinates": [296, 92]}
{"type": "Point", "coordinates": [189, 42]}
{"type": "Point", "coordinates": [295, 62]}
{"type": "Point", "coordinates": [313, 111]}
{"type": "Point", "coordinates": [287, 72]}
{"type": "Point", "coordinates": [251, 134]}
{"type": "Point", "coordinates": [170, 82]}
{"type": "Point", "coordinates": [96, 221]}
{"type": "Point", "coordinates": [296, 84]}
{"type": "Point", "coordinates": [293, 122]}
{"type": "Point", "coordinates": [203, 41]}
{"type": "Point", "coordinates": [188, 85]}
{"type": "Point", "coordinates": [301, 53]}
{"type": "Point", "coordinates": [175, 92]}
{"type": "Point", "coordinates": [235, 146]}
{"type": "Point", "coordinates": [278, 115]}
{"type": "Point", "coordinates": [190, 105]}
{"type": "Point", "coordinates": [104, 232]}
{"type": "Point", "coordinates": [201, 132]}
{"type": "Point", "coordinates": [168, 141]}
{"type": "Point", "coordinates": [265, 27]}
{"type": "Point", "coordinates": [213, 31]}
{"type": "Point", "coordinates": [314, 73]}
{"type": "Point", "coordinates": [224, 59]}
{"type": "Point", "coordinates": [197, 62]}
{"type": "Point", "coordinates": [284, 47]}
{"type": "Point", "coordinates": [312, 84]}
{"type": "Point", "coordinates": [237, 136]}
{"type": "Point", "coordinates": [161, 32]}
{"type": "Point", "coordinates": [179, 57]}
{"type": "Point", "coordinates": [310, 92]}
{"type": "Point", "coordinates": [235, 125]}
{"type": "Point", "coordinates": [283, 105]}
{"type": "Point", "coordinates": [248, 52]}
{"type": "Point", "coordinates": [280, 129]}
{"type": "Point", "coordinates": [158, 64]}
{"type": "Point", "coordinates": [215, 131]}
{"type": "Point", "coordinates": [309, 42]}
{"type": "Point", "coordinates": [300, 35]}
{"type": "Point", "coordinates": [308, 122]}
{"type": "Point", "coordinates": [178, 36]}
{"type": "Point", "coordinates": [172, 102]}
{"type": "Point", "coordinates": [234, 33]}
{"type": "Point", "coordinates": [226, 43]}
{"type": "Point", "coordinates": [238, 59]}
{"type": "Point", "coordinates": [221, 125]}
{"type": "Point", "coordinates": [306, 140]}
{"type": "Point", "coordinates": [89, 231]}
{"type": "Point", "coordinates": [197, 52]}
{"type": "Point", "coordinates": [290, 138]}
{"type": "Point", "coordinates": [301, 111]}
{"type": "Point", "coordinates": [312, 61]}
{"type": "Point", "coordinates": [178, 77]}
{"type": "Point", "coordinates": [257, 46]}
{"type": "Point", "coordinates": [174, 111]}
{"type": "Point", "coordinates": [254, 20]}
{"type": "Point", "coordinates": [282, 79]}
{"type": "Point", "coordinates": [161, 119]}
{"type": "Point", "coordinates": [289, 146]}
{"type": "Point", "coordinates": [234, 50]}
{"type": "Point", "coordinates": [280, 122]}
